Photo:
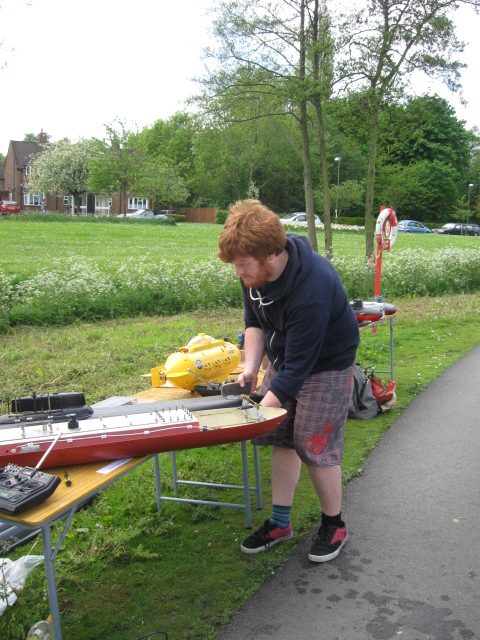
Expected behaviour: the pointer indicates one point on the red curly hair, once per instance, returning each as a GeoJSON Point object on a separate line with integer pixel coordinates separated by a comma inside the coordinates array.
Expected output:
{"type": "Point", "coordinates": [253, 230]}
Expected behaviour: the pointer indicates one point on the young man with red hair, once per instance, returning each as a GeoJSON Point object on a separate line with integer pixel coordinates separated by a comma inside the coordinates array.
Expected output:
{"type": "Point", "coordinates": [297, 311]}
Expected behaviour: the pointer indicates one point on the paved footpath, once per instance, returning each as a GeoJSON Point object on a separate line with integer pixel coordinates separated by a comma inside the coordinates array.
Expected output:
{"type": "Point", "coordinates": [411, 567]}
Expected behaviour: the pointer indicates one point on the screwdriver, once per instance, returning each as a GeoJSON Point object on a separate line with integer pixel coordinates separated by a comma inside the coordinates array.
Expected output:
{"type": "Point", "coordinates": [68, 482]}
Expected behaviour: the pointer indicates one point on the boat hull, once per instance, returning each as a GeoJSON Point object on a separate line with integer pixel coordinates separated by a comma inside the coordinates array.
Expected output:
{"type": "Point", "coordinates": [146, 436]}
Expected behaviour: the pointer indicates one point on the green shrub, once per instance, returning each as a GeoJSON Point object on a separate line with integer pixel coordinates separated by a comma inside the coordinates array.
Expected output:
{"type": "Point", "coordinates": [354, 222]}
{"type": "Point", "coordinates": [221, 215]}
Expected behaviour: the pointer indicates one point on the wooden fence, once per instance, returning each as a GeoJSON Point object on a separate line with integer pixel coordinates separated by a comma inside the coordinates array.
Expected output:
{"type": "Point", "coordinates": [206, 214]}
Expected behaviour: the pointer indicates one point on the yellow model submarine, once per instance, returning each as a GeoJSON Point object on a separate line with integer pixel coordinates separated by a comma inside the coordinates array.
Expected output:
{"type": "Point", "coordinates": [203, 359]}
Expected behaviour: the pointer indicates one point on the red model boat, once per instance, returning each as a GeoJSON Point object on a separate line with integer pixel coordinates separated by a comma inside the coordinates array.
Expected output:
{"type": "Point", "coordinates": [372, 311]}
{"type": "Point", "coordinates": [133, 432]}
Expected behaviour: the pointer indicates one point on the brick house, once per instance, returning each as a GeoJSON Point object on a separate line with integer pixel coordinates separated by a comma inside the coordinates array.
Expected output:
{"type": "Point", "coordinates": [17, 168]}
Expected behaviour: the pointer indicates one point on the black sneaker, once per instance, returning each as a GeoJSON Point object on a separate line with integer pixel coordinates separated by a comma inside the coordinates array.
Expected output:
{"type": "Point", "coordinates": [266, 537]}
{"type": "Point", "coordinates": [328, 543]}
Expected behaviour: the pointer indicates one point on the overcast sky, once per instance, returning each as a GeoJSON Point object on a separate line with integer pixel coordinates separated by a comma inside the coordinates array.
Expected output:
{"type": "Point", "coordinates": [77, 66]}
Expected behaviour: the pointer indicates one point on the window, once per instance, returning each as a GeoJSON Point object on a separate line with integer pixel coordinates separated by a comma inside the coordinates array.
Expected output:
{"type": "Point", "coordinates": [83, 204]}
{"type": "Point", "coordinates": [102, 205]}
{"type": "Point", "coordinates": [28, 170]}
{"type": "Point", "coordinates": [66, 200]}
{"type": "Point", "coordinates": [33, 199]}
{"type": "Point", "coordinates": [137, 203]}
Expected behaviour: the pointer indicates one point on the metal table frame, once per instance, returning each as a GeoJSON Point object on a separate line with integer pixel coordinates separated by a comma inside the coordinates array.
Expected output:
{"type": "Point", "coordinates": [68, 508]}
{"type": "Point", "coordinates": [388, 319]}
{"type": "Point", "coordinates": [245, 487]}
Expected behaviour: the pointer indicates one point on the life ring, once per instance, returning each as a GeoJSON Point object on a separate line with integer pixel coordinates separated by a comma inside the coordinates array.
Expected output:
{"type": "Point", "coordinates": [386, 228]}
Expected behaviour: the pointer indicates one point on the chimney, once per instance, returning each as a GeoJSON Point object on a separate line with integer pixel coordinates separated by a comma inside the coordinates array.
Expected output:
{"type": "Point", "coordinates": [42, 138]}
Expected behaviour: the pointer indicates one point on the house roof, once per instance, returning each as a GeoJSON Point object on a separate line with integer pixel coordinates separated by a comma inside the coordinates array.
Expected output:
{"type": "Point", "coordinates": [23, 150]}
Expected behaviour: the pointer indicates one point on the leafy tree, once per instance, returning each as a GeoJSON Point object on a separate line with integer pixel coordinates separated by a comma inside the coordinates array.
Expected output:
{"type": "Point", "coordinates": [423, 128]}
{"type": "Point", "coordinates": [172, 139]}
{"type": "Point", "coordinates": [354, 158]}
{"type": "Point", "coordinates": [425, 191]}
{"type": "Point", "coordinates": [31, 137]}
{"type": "Point", "coordinates": [461, 211]}
{"type": "Point", "coordinates": [273, 58]}
{"type": "Point", "coordinates": [351, 198]}
{"type": "Point", "coordinates": [228, 157]}
{"type": "Point", "coordinates": [385, 44]}
{"type": "Point", "coordinates": [473, 175]}
{"type": "Point", "coordinates": [160, 181]}
{"type": "Point", "coordinates": [62, 168]}
{"type": "Point", "coordinates": [116, 163]}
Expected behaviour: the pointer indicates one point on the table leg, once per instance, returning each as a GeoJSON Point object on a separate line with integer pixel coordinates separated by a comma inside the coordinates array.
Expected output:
{"type": "Point", "coordinates": [258, 480]}
{"type": "Point", "coordinates": [158, 486]}
{"type": "Point", "coordinates": [173, 457]}
{"type": "Point", "coordinates": [391, 350]}
{"type": "Point", "coordinates": [246, 486]}
{"type": "Point", "coordinates": [51, 583]}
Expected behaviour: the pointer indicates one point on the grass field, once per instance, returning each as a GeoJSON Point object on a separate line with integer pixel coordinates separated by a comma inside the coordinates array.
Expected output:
{"type": "Point", "coordinates": [125, 570]}
{"type": "Point", "coordinates": [56, 271]}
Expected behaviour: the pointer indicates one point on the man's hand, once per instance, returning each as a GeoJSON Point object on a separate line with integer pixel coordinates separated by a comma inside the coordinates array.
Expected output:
{"type": "Point", "coordinates": [246, 375]}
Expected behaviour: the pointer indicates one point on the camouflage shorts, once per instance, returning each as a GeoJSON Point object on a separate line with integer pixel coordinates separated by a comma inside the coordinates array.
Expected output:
{"type": "Point", "coordinates": [315, 420]}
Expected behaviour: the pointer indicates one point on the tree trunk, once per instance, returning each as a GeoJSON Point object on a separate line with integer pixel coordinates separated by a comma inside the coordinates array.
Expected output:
{"type": "Point", "coordinates": [325, 181]}
{"type": "Point", "coordinates": [307, 165]}
{"type": "Point", "coordinates": [372, 154]}
{"type": "Point", "coordinates": [307, 178]}
{"type": "Point", "coordinates": [317, 101]}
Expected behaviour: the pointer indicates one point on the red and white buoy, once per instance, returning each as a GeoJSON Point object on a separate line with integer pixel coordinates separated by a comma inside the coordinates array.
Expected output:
{"type": "Point", "coordinates": [386, 233]}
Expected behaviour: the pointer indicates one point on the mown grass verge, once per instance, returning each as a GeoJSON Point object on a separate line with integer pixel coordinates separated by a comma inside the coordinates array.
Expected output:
{"type": "Point", "coordinates": [126, 570]}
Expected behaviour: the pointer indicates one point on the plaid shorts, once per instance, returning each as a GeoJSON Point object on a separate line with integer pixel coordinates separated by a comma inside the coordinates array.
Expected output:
{"type": "Point", "coordinates": [315, 420]}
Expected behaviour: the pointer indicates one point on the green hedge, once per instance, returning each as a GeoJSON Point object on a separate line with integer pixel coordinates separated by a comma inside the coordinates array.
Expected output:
{"type": "Point", "coordinates": [358, 222]}
{"type": "Point", "coordinates": [221, 215]}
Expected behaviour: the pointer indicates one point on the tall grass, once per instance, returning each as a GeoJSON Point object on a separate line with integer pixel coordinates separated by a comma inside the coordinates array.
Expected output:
{"type": "Point", "coordinates": [62, 271]}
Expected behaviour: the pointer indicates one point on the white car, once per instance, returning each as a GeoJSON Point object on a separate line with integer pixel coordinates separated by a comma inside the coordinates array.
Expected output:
{"type": "Point", "coordinates": [143, 213]}
{"type": "Point", "coordinates": [299, 216]}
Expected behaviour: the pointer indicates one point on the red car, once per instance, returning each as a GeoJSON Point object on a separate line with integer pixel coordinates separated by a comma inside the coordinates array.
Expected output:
{"type": "Point", "coordinates": [8, 207]}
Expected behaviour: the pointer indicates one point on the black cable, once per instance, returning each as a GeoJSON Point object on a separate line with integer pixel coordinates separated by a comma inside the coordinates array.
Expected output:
{"type": "Point", "coordinates": [153, 634]}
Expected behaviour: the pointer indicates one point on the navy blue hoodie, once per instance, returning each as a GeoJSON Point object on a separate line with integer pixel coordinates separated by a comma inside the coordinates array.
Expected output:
{"type": "Point", "coordinates": [306, 318]}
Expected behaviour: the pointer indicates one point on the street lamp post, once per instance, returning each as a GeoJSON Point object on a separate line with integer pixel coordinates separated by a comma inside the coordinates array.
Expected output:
{"type": "Point", "coordinates": [337, 159]}
{"type": "Point", "coordinates": [469, 187]}
{"type": "Point", "coordinates": [468, 214]}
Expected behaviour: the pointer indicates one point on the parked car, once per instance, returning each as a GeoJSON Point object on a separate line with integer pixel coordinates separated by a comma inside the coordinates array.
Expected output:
{"type": "Point", "coordinates": [412, 226]}
{"type": "Point", "coordinates": [143, 213]}
{"type": "Point", "coordinates": [473, 230]}
{"type": "Point", "coordinates": [168, 212]}
{"type": "Point", "coordinates": [8, 207]}
{"type": "Point", "coordinates": [459, 229]}
{"type": "Point", "coordinates": [298, 216]}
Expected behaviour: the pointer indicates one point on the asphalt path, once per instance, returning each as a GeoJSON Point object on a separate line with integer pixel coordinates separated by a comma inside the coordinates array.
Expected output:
{"type": "Point", "coordinates": [410, 569]}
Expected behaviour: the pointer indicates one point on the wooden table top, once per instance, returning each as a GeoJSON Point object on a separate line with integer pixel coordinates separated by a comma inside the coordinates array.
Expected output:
{"type": "Point", "coordinates": [85, 480]}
